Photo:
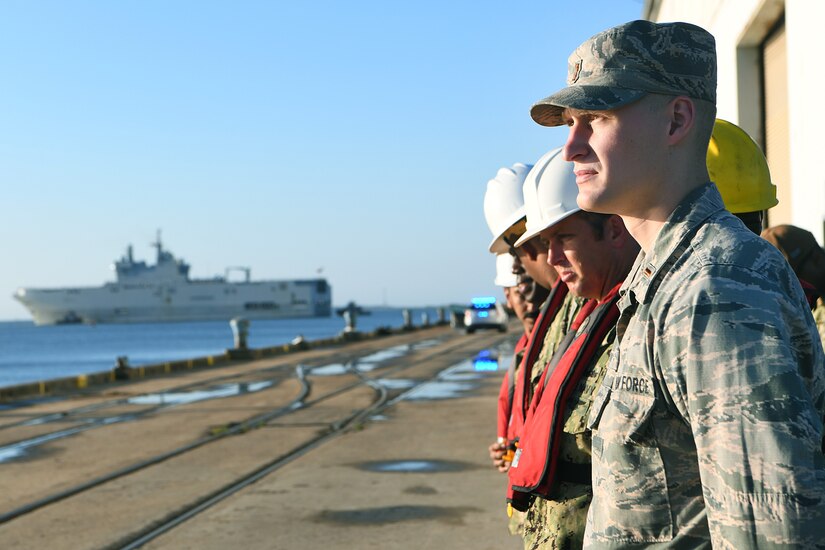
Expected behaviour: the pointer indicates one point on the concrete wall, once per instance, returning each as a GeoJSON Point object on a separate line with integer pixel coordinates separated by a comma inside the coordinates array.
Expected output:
{"type": "Point", "coordinates": [740, 27]}
{"type": "Point", "coordinates": [806, 83]}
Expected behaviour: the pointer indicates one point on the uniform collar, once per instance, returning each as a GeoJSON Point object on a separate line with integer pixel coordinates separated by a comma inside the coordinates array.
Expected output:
{"type": "Point", "coordinates": [672, 240]}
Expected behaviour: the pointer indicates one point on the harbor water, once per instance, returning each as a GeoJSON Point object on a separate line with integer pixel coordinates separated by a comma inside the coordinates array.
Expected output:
{"type": "Point", "coordinates": [29, 353]}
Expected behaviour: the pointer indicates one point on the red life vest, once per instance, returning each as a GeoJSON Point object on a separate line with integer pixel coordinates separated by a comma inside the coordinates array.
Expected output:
{"type": "Point", "coordinates": [521, 393]}
{"type": "Point", "coordinates": [508, 387]}
{"type": "Point", "coordinates": [536, 465]}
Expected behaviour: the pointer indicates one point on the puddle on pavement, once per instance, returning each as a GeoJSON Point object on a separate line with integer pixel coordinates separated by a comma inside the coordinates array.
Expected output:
{"type": "Point", "coordinates": [384, 354]}
{"type": "Point", "coordinates": [21, 448]}
{"type": "Point", "coordinates": [395, 383]}
{"type": "Point", "coordinates": [458, 380]}
{"type": "Point", "coordinates": [44, 419]}
{"type": "Point", "coordinates": [395, 514]}
{"type": "Point", "coordinates": [453, 382]}
{"type": "Point", "coordinates": [413, 466]}
{"type": "Point", "coordinates": [372, 361]}
{"type": "Point", "coordinates": [433, 391]}
{"type": "Point", "coordinates": [334, 369]}
{"type": "Point", "coordinates": [182, 398]}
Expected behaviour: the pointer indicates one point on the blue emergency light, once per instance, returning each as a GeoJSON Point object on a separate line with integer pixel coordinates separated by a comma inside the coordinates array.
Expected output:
{"type": "Point", "coordinates": [485, 364]}
{"type": "Point", "coordinates": [485, 301]}
{"type": "Point", "coordinates": [485, 361]}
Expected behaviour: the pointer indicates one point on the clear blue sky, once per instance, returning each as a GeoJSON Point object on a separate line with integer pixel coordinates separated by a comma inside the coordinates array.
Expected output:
{"type": "Point", "coordinates": [285, 136]}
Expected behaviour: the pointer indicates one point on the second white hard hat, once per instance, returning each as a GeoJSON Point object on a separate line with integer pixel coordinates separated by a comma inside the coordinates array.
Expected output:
{"type": "Point", "coordinates": [504, 203]}
{"type": "Point", "coordinates": [504, 271]}
{"type": "Point", "coordinates": [549, 194]}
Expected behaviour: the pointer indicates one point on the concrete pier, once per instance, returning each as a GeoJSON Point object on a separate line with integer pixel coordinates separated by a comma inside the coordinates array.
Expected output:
{"type": "Point", "coordinates": [415, 476]}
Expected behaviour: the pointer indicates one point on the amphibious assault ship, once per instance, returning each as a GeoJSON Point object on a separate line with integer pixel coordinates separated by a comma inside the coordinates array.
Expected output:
{"type": "Point", "coordinates": [164, 292]}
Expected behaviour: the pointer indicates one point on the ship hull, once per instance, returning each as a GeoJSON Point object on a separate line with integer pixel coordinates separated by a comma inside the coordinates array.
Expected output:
{"type": "Point", "coordinates": [205, 300]}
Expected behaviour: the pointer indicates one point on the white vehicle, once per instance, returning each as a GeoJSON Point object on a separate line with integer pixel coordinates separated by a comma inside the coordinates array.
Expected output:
{"type": "Point", "coordinates": [485, 313]}
{"type": "Point", "coordinates": [164, 292]}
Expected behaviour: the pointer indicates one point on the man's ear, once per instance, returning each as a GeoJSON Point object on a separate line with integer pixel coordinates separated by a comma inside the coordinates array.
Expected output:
{"type": "Point", "coordinates": [615, 231]}
{"type": "Point", "coordinates": [682, 114]}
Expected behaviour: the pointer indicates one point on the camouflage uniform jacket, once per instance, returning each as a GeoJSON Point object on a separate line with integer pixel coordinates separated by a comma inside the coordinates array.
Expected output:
{"type": "Point", "coordinates": [707, 426]}
{"type": "Point", "coordinates": [558, 522]}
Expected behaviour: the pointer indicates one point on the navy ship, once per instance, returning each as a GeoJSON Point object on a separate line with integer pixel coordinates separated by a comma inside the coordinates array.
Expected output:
{"type": "Point", "coordinates": [164, 292]}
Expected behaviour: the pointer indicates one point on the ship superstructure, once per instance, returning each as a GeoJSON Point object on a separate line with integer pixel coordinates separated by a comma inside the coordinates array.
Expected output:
{"type": "Point", "coordinates": [164, 292]}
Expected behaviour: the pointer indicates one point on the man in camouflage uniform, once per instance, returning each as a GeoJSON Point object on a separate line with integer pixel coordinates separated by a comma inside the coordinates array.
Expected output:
{"type": "Point", "coordinates": [708, 424]}
{"type": "Point", "coordinates": [592, 253]}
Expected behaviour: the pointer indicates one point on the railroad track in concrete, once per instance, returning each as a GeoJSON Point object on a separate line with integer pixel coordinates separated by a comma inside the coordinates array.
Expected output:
{"type": "Point", "coordinates": [270, 373]}
{"type": "Point", "coordinates": [338, 420]}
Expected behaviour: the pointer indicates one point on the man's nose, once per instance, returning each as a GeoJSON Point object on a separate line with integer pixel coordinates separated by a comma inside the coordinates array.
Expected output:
{"type": "Point", "coordinates": [576, 145]}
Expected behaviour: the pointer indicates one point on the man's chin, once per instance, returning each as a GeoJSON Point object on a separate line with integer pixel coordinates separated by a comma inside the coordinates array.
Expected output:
{"type": "Point", "coordinates": [591, 204]}
{"type": "Point", "coordinates": [584, 201]}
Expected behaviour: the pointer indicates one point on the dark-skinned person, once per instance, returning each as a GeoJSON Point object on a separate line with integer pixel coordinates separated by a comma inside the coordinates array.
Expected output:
{"type": "Point", "coordinates": [505, 215]}
{"type": "Point", "coordinates": [508, 281]}
{"type": "Point", "coordinates": [504, 210]}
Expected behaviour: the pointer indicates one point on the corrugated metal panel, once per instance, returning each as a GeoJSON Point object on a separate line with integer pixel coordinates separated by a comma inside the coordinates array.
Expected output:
{"type": "Point", "coordinates": [777, 133]}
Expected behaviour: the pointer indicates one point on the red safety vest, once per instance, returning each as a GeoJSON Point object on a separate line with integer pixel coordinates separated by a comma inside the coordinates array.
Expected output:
{"type": "Point", "coordinates": [521, 393]}
{"type": "Point", "coordinates": [508, 387]}
{"type": "Point", "coordinates": [536, 466]}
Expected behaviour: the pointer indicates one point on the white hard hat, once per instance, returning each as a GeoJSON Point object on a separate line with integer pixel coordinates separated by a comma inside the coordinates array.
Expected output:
{"type": "Point", "coordinates": [504, 271]}
{"type": "Point", "coordinates": [504, 203]}
{"type": "Point", "coordinates": [549, 194]}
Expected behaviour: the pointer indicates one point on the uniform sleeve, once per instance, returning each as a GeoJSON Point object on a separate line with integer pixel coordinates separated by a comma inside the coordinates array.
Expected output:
{"type": "Point", "coordinates": [743, 367]}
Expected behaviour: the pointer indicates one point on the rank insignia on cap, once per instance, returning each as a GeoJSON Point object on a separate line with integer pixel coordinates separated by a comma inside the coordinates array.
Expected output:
{"type": "Point", "coordinates": [577, 69]}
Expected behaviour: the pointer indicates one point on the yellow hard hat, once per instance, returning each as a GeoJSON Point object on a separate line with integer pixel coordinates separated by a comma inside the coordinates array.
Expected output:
{"type": "Point", "coordinates": [739, 168]}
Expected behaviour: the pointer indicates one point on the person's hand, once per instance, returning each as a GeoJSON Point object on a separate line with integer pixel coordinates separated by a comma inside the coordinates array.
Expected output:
{"type": "Point", "coordinates": [498, 450]}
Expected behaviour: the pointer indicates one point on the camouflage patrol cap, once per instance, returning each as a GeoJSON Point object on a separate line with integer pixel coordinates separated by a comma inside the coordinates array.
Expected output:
{"type": "Point", "coordinates": [622, 64]}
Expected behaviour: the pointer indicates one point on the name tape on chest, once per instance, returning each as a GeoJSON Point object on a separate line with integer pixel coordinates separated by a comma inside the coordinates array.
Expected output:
{"type": "Point", "coordinates": [633, 384]}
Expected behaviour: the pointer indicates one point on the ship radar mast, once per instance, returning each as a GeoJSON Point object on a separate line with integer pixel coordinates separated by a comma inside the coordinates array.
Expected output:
{"type": "Point", "coordinates": [158, 244]}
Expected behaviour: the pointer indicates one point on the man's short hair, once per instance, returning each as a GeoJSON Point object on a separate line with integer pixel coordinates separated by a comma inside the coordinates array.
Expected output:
{"type": "Point", "coordinates": [596, 221]}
